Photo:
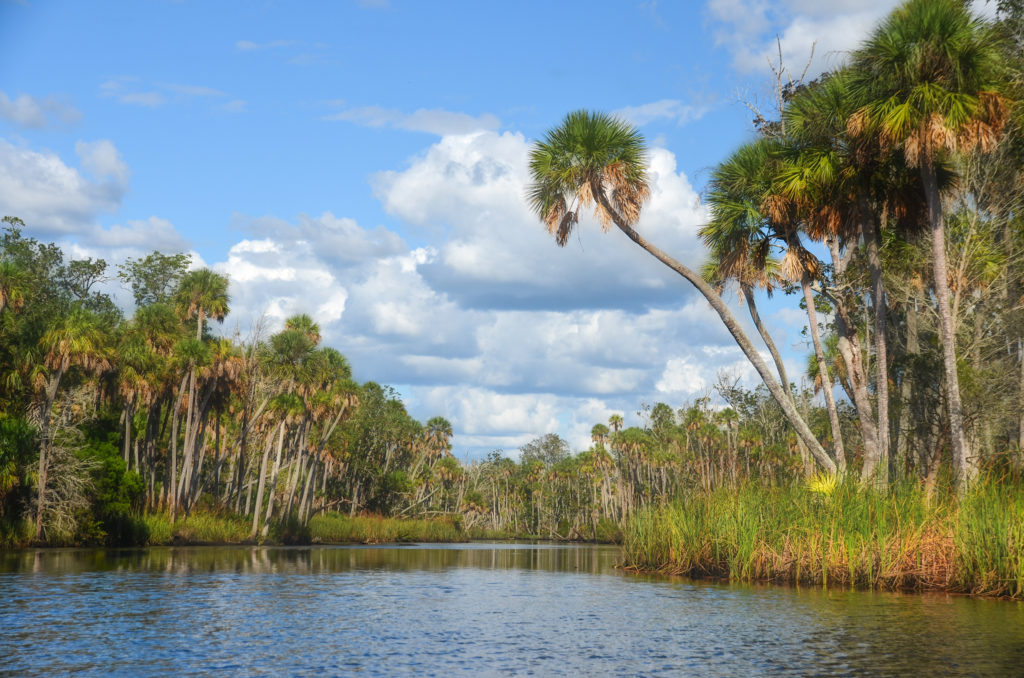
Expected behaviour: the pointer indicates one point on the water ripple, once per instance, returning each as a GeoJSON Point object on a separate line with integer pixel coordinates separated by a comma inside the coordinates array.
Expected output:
{"type": "Point", "coordinates": [480, 609]}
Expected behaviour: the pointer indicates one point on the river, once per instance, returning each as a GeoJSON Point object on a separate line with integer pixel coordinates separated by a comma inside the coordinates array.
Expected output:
{"type": "Point", "coordinates": [465, 609]}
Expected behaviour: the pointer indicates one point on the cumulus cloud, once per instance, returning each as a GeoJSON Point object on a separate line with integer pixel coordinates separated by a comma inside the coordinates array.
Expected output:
{"type": "Point", "coordinates": [51, 196]}
{"type": "Point", "coordinates": [64, 203]}
{"type": "Point", "coordinates": [497, 253]}
{"type": "Point", "coordinates": [32, 112]}
{"type": "Point", "coordinates": [748, 29]}
{"type": "Point", "coordinates": [103, 160]}
{"type": "Point", "coordinates": [433, 121]}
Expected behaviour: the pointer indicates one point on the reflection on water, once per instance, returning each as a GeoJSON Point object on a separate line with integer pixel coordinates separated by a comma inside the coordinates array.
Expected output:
{"type": "Point", "coordinates": [313, 560]}
{"type": "Point", "coordinates": [476, 609]}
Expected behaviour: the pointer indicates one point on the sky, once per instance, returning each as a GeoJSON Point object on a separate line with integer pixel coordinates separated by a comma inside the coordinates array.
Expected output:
{"type": "Point", "coordinates": [365, 162]}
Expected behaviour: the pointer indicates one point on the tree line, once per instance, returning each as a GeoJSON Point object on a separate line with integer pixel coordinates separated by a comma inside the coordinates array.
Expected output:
{"type": "Point", "coordinates": [105, 417]}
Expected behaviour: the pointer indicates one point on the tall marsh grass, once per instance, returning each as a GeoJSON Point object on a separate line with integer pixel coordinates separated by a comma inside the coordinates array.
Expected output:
{"type": "Point", "coordinates": [335, 528]}
{"type": "Point", "coordinates": [196, 528]}
{"type": "Point", "coordinates": [844, 536]}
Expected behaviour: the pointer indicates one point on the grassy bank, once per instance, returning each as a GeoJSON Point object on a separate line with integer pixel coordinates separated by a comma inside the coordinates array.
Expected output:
{"type": "Point", "coordinates": [196, 528]}
{"type": "Point", "coordinates": [202, 528]}
{"type": "Point", "coordinates": [335, 528]}
{"type": "Point", "coordinates": [848, 536]}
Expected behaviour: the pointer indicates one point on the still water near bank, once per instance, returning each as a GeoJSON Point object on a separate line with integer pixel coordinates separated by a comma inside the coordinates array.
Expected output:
{"type": "Point", "coordinates": [465, 609]}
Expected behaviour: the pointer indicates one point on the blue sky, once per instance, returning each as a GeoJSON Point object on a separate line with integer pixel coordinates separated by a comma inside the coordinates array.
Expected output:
{"type": "Point", "coordinates": [364, 162]}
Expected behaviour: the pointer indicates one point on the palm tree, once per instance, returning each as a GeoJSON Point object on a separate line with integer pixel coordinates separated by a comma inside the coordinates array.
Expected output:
{"type": "Point", "coordinates": [595, 160]}
{"type": "Point", "coordinates": [615, 421]}
{"type": "Point", "coordinates": [306, 325]}
{"type": "Point", "coordinates": [12, 286]}
{"type": "Point", "coordinates": [741, 238]}
{"type": "Point", "coordinates": [202, 294]}
{"type": "Point", "coordinates": [929, 79]}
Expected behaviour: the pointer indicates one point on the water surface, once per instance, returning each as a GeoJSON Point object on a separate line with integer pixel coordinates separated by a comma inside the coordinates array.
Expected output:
{"type": "Point", "coordinates": [466, 609]}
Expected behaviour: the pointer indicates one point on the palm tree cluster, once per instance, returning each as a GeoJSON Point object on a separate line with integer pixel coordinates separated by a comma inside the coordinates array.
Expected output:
{"type": "Point", "coordinates": [105, 418]}
{"type": "Point", "coordinates": [551, 493]}
{"type": "Point", "coordinates": [887, 197]}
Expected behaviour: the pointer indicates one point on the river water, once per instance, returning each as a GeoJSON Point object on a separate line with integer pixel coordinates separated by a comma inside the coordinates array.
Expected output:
{"type": "Point", "coordinates": [465, 609]}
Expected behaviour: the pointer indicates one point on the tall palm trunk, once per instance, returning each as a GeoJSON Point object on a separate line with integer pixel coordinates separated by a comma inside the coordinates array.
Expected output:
{"type": "Point", "coordinates": [261, 488]}
{"type": "Point", "coordinates": [872, 239]}
{"type": "Point", "coordinates": [50, 394]}
{"type": "Point", "coordinates": [964, 465]}
{"type": "Point", "coordinates": [826, 381]}
{"type": "Point", "coordinates": [748, 296]}
{"type": "Point", "coordinates": [731, 324]}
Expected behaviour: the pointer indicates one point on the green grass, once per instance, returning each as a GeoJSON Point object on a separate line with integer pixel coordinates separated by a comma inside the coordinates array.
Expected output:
{"type": "Point", "coordinates": [196, 528]}
{"type": "Point", "coordinates": [853, 537]}
{"type": "Point", "coordinates": [334, 528]}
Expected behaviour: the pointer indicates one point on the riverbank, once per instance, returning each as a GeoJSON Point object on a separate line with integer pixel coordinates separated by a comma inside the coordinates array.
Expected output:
{"type": "Point", "coordinates": [214, 529]}
{"type": "Point", "coordinates": [842, 535]}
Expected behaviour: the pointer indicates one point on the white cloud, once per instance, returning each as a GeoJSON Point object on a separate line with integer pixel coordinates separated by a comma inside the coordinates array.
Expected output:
{"type": "Point", "coordinates": [748, 29]}
{"type": "Point", "coordinates": [433, 121]}
{"type": "Point", "coordinates": [60, 202]}
{"type": "Point", "coordinates": [102, 159]}
{"type": "Point", "coordinates": [668, 109]}
{"type": "Point", "coordinates": [28, 111]}
{"type": "Point", "coordinates": [51, 196]}
{"type": "Point", "coordinates": [472, 188]}
{"type": "Point", "coordinates": [133, 91]}
{"type": "Point", "coordinates": [145, 99]}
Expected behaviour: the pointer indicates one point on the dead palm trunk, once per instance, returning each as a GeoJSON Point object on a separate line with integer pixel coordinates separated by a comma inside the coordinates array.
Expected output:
{"type": "Point", "coordinates": [261, 488]}
{"type": "Point", "coordinates": [49, 395]}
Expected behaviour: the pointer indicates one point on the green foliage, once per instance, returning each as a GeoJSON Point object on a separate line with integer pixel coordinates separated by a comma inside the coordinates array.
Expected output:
{"type": "Point", "coordinates": [153, 278]}
{"type": "Point", "coordinates": [195, 528]}
{"type": "Point", "coordinates": [17, 452]}
{"type": "Point", "coordinates": [117, 492]}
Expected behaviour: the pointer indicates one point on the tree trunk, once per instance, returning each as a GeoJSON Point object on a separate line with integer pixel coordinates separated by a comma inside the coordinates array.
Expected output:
{"type": "Point", "coordinates": [44, 447]}
{"type": "Point", "coordinates": [731, 324]}
{"type": "Point", "coordinates": [261, 488]}
{"type": "Point", "coordinates": [964, 465]}
{"type": "Point", "coordinates": [872, 239]}
{"type": "Point", "coordinates": [826, 381]}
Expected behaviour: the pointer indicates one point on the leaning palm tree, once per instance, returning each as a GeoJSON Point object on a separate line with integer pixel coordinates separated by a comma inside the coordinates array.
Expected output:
{"type": "Point", "coordinates": [595, 160]}
{"type": "Point", "coordinates": [929, 79]}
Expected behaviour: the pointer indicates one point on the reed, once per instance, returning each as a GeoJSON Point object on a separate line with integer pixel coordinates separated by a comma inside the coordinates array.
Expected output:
{"type": "Point", "coordinates": [335, 528]}
{"type": "Point", "coordinates": [846, 536]}
{"type": "Point", "coordinates": [196, 528]}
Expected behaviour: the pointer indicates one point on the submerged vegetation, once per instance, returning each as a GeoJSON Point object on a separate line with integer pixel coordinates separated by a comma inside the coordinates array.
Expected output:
{"type": "Point", "coordinates": [883, 198]}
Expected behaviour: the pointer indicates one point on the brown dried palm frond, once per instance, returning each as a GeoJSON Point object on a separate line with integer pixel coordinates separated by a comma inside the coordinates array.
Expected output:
{"type": "Point", "coordinates": [777, 207]}
{"type": "Point", "coordinates": [565, 227]}
{"type": "Point", "coordinates": [554, 215]}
